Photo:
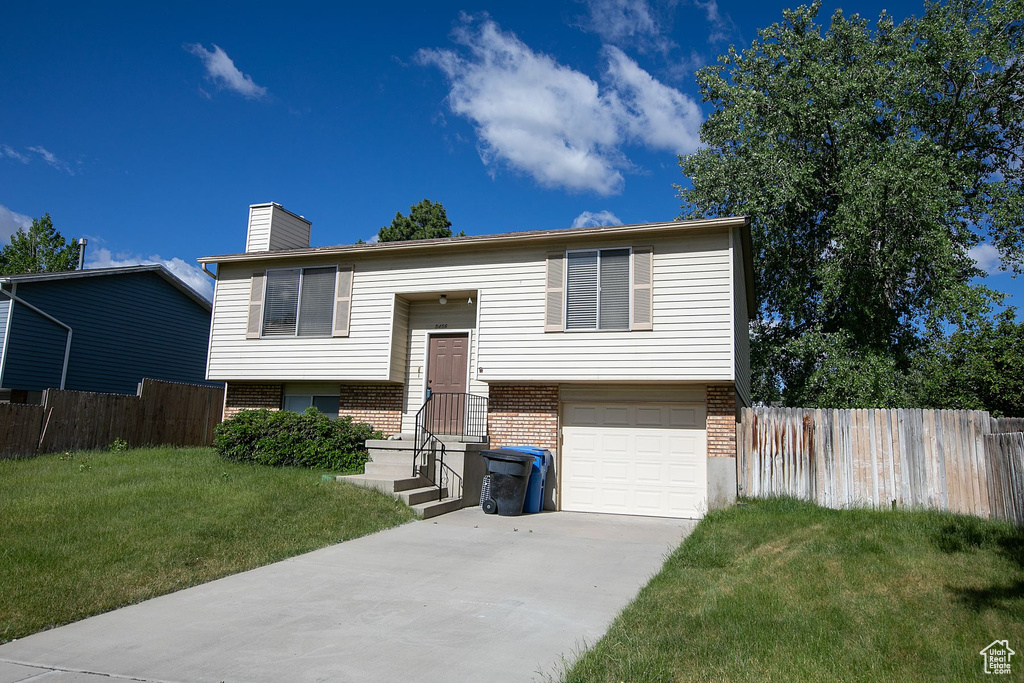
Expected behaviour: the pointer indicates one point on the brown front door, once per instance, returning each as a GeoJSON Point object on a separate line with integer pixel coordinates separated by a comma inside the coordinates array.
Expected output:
{"type": "Point", "coordinates": [447, 362]}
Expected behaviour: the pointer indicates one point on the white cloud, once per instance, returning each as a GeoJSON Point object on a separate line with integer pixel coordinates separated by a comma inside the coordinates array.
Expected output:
{"type": "Point", "coordinates": [986, 257]}
{"type": "Point", "coordinates": [52, 159]}
{"type": "Point", "coordinates": [626, 22]}
{"type": "Point", "coordinates": [552, 122]}
{"type": "Point", "coordinates": [660, 116]}
{"type": "Point", "coordinates": [590, 219]}
{"type": "Point", "coordinates": [7, 151]}
{"type": "Point", "coordinates": [723, 28]}
{"type": "Point", "coordinates": [191, 275]}
{"type": "Point", "coordinates": [10, 221]}
{"type": "Point", "coordinates": [222, 70]}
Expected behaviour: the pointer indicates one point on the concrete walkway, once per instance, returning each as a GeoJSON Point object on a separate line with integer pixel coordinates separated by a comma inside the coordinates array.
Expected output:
{"type": "Point", "coordinates": [465, 597]}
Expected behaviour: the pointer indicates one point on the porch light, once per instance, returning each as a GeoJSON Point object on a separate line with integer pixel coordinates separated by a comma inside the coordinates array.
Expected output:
{"type": "Point", "coordinates": [443, 300]}
{"type": "Point", "coordinates": [469, 301]}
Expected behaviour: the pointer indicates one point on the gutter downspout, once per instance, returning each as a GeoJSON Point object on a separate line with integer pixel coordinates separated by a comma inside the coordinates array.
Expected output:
{"type": "Point", "coordinates": [209, 272]}
{"type": "Point", "coordinates": [67, 346]}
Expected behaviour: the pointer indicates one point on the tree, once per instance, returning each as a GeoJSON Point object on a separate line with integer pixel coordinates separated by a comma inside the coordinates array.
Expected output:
{"type": "Point", "coordinates": [870, 161]}
{"type": "Point", "coordinates": [980, 367]}
{"type": "Point", "coordinates": [425, 221]}
{"type": "Point", "coordinates": [39, 249]}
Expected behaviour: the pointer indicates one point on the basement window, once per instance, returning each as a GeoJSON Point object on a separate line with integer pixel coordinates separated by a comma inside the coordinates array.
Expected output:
{"type": "Point", "coordinates": [328, 405]}
{"type": "Point", "coordinates": [299, 302]}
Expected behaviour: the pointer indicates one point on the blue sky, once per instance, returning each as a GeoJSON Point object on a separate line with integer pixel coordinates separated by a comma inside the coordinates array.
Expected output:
{"type": "Point", "coordinates": [149, 129]}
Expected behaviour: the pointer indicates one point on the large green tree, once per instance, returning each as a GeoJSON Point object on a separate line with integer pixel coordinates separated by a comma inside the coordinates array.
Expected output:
{"type": "Point", "coordinates": [975, 367]}
{"type": "Point", "coordinates": [871, 159]}
{"type": "Point", "coordinates": [426, 220]}
{"type": "Point", "coordinates": [39, 249]}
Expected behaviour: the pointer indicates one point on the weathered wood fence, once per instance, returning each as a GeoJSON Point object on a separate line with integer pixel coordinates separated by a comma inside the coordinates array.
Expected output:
{"type": "Point", "coordinates": [957, 460]}
{"type": "Point", "coordinates": [163, 413]}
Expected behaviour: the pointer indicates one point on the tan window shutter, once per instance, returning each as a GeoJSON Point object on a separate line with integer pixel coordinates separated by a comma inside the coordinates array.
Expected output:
{"type": "Point", "coordinates": [342, 301]}
{"type": "Point", "coordinates": [643, 278]}
{"type": "Point", "coordinates": [255, 306]}
{"type": "Point", "coordinates": [554, 310]}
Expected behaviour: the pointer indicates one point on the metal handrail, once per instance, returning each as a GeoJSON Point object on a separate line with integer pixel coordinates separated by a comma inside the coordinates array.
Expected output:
{"type": "Point", "coordinates": [464, 414]}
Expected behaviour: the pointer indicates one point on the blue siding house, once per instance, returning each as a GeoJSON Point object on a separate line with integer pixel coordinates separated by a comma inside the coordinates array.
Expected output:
{"type": "Point", "coordinates": [99, 330]}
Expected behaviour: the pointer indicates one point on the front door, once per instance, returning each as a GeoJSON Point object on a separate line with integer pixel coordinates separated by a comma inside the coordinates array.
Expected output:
{"type": "Point", "coordinates": [447, 362]}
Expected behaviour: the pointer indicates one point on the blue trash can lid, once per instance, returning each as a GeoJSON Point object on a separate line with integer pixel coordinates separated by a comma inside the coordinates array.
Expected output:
{"type": "Point", "coordinates": [532, 450]}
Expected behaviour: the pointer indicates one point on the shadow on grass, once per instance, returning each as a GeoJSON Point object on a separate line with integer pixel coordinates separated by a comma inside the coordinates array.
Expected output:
{"type": "Point", "coordinates": [967, 534]}
{"type": "Point", "coordinates": [993, 597]}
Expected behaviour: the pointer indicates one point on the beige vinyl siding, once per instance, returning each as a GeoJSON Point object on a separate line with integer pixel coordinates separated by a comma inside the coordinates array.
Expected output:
{"type": "Point", "coordinates": [690, 341]}
{"type": "Point", "coordinates": [742, 324]}
{"type": "Point", "coordinates": [272, 228]}
{"type": "Point", "coordinates": [424, 318]}
{"type": "Point", "coordinates": [258, 238]}
{"type": "Point", "coordinates": [399, 343]}
{"type": "Point", "coordinates": [288, 231]}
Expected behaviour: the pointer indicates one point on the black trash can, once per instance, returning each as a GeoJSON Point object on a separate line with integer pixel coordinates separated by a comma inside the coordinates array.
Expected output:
{"type": "Point", "coordinates": [508, 473]}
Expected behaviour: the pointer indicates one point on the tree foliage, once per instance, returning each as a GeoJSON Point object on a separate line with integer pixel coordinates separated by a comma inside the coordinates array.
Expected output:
{"type": "Point", "coordinates": [870, 159]}
{"type": "Point", "coordinates": [39, 249]}
{"type": "Point", "coordinates": [426, 220]}
{"type": "Point", "coordinates": [980, 367]}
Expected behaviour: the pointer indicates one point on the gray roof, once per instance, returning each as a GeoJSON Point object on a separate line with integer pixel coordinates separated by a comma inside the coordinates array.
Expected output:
{"type": "Point", "coordinates": [471, 241]}
{"type": "Point", "coordinates": [157, 268]}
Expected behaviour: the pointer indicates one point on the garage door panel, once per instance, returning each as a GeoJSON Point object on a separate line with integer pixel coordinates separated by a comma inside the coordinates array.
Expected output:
{"type": "Point", "coordinates": [649, 473]}
{"type": "Point", "coordinates": [686, 418]}
{"type": "Point", "coordinates": [584, 416]}
{"type": "Point", "coordinates": [615, 416]}
{"type": "Point", "coordinates": [653, 416]}
{"type": "Point", "coordinates": [647, 459]}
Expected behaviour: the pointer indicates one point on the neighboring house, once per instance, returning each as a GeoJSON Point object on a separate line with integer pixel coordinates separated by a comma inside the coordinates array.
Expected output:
{"type": "Point", "coordinates": [622, 349]}
{"type": "Point", "coordinates": [99, 330]}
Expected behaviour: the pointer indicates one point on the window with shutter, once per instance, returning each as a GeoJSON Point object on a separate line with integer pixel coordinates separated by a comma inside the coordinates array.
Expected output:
{"type": "Point", "coordinates": [554, 307]}
{"type": "Point", "coordinates": [597, 289]}
{"type": "Point", "coordinates": [299, 302]}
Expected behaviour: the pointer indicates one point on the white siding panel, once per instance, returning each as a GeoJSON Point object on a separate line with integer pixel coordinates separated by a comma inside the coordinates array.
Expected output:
{"type": "Point", "coordinates": [258, 236]}
{"type": "Point", "coordinates": [5, 315]}
{"type": "Point", "coordinates": [427, 317]}
{"type": "Point", "coordinates": [288, 231]}
{"type": "Point", "coordinates": [399, 345]}
{"type": "Point", "coordinates": [690, 341]}
{"type": "Point", "coordinates": [742, 324]}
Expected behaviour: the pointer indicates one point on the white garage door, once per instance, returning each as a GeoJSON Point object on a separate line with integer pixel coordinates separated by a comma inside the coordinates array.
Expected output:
{"type": "Point", "coordinates": [635, 459]}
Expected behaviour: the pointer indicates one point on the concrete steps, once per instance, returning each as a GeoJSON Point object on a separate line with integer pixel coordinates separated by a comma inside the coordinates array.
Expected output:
{"type": "Point", "coordinates": [389, 471]}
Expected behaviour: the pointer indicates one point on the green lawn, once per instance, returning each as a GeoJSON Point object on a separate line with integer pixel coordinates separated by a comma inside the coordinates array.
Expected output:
{"type": "Point", "coordinates": [84, 533]}
{"type": "Point", "coordinates": [782, 590]}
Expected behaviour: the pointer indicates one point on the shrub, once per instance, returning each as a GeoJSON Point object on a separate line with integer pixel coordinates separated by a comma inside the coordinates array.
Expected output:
{"type": "Point", "coordinates": [283, 438]}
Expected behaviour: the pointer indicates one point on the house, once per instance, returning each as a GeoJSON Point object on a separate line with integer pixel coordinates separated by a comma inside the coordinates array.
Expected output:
{"type": "Point", "coordinates": [99, 330]}
{"type": "Point", "coordinates": [622, 349]}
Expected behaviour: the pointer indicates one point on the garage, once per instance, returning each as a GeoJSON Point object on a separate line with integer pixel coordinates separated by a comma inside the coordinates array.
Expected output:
{"type": "Point", "coordinates": [634, 459]}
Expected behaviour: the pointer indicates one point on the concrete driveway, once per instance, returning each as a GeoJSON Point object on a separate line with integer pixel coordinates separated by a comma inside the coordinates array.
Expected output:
{"type": "Point", "coordinates": [464, 597]}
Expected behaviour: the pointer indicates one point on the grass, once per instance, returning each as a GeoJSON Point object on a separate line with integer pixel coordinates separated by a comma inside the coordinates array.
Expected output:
{"type": "Point", "coordinates": [84, 533]}
{"type": "Point", "coordinates": [784, 590]}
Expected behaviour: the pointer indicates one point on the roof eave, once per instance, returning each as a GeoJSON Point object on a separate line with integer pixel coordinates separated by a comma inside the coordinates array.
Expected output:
{"type": "Point", "coordinates": [476, 241]}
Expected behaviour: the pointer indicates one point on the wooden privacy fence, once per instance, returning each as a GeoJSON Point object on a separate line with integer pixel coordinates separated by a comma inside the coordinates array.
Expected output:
{"type": "Point", "coordinates": [957, 460]}
{"type": "Point", "coordinates": [162, 413]}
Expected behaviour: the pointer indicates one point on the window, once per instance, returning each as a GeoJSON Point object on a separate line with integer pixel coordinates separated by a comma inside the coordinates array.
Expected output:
{"type": "Point", "coordinates": [328, 405]}
{"type": "Point", "coordinates": [597, 289]}
{"type": "Point", "coordinates": [299, 302]}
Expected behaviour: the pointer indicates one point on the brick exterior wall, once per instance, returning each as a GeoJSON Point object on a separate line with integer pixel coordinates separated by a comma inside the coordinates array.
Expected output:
{"type": "Point", "coordinates": [252, 397]}
{"type": "Point", "coordinates": [721, 400]}
{"type": "Point", "coordinates": [377, 404]}
{"type": "Point", "coordinates": [523, 415]}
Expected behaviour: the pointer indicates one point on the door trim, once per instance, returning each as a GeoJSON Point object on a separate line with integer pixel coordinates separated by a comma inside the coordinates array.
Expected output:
{"type": "Point", "coordinates": [426, 356]}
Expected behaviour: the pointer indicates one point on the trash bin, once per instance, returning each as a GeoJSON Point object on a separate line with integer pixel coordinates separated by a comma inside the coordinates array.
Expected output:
{"type": "Point", "coordinates": [508, 472]}
{"type": "Point", "coordinates": [538, 477]}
